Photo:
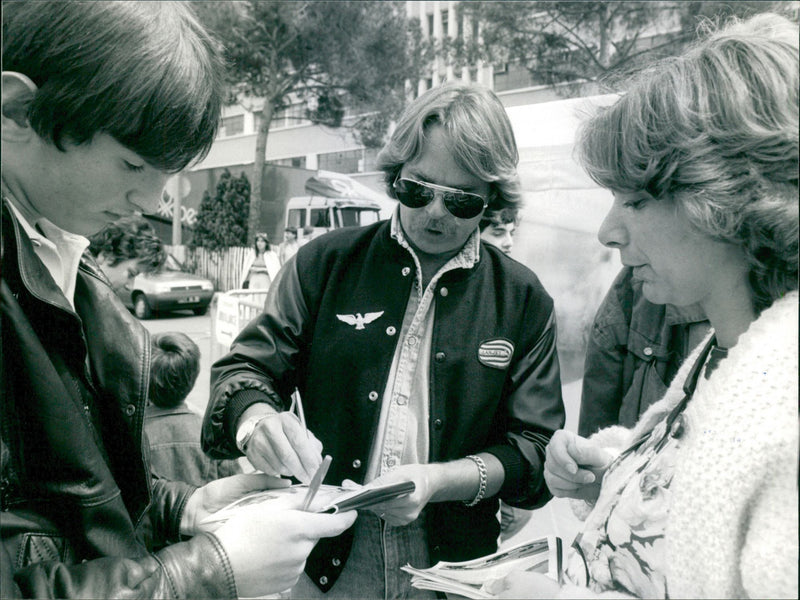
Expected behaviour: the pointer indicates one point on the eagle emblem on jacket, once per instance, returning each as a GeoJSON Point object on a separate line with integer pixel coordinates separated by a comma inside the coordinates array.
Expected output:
{"type": "Point", "coordinates": [359, 320]}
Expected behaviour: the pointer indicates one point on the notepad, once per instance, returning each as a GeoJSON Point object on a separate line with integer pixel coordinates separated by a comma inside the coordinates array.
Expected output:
{"type": "Point", "coordinates": [329, 499]}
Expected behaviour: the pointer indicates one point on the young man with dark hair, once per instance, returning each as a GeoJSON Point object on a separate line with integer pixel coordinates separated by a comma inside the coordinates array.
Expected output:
{"type": "Point", "coordinates": [125, 248]}
{"type": "Point", "coordinates": [498, 227]}
{"type": "Point", "coordinates": [173, 429]}
{"type": "Point", "coordinates": [101, 101]}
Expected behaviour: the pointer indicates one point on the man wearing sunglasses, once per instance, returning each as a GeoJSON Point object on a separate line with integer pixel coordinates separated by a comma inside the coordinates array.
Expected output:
{"type": "Point", "coordinates": [421, 354]}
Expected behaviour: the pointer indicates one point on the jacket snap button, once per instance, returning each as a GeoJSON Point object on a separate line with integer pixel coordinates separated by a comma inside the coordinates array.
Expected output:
{"type": "Point", "coordinates": [406, 271]}
{"type": "Point", "coordinates": [356, 464]}
{"type": "Point", "coordinates": [440, 357]}
{"type": "Point", "coordinates": [390, 330]}
{"type": "Point", "coordinates": [323, 580]}
{"type": "Point", "coordinates": [648, 351]}
{"type": "Point", "coordinates": [336, 562]}
{"type": "Point", "coordinates": [437, 424]}
{"type": "Point", "coordinates": [391, 461]}
{"type": "Point", "coordinates": [130, 409]}
{"type": "Point", "coordinates": [444, 291]}
{"type": "Point", "coordinates": [373, 395]}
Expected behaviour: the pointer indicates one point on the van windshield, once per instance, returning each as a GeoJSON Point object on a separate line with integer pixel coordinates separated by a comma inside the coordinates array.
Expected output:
{"type": "Point", "coordinates": [354, 217]}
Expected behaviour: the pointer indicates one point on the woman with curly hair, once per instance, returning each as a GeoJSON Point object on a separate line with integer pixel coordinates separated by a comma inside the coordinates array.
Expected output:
{"type": "Point", "coordinates": [699, 499]}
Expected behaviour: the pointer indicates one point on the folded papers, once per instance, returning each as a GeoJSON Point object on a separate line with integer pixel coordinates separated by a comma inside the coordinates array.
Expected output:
{"type": "Point", "coordinates": [329, 499]}
{"type": "Point", "coordinates": [468, 578]}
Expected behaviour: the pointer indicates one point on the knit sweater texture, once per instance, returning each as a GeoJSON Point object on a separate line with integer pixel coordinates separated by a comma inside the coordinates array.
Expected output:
{"type": "Point", "coordinates": [733, 522]}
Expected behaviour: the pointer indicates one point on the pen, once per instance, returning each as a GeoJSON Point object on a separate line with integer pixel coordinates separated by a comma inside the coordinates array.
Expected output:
{"type": "Point", "coordinates": [297, 407]}
{"type": "Point", "coordinates": [313, 487]}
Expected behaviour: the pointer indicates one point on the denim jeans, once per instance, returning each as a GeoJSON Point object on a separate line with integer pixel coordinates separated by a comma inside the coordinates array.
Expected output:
{"type": "Point", "coordinates": [373, 569]}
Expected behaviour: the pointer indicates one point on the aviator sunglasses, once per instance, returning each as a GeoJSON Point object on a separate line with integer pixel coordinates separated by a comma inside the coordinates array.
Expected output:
{"type": "Point", "coordinates": [460, 204]}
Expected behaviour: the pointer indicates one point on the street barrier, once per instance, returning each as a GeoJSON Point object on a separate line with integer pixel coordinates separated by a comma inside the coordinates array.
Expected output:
{"type": "Point", "coordinates": [230, 312]}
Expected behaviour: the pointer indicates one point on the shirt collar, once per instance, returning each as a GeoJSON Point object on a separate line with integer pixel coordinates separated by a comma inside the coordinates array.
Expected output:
{"type": "Point", "coordinates": [467, 258]}
{"type": "Point", "coordinates": [60, 251]}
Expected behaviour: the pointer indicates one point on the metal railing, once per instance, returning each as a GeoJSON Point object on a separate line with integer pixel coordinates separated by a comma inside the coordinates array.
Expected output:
{"type": "Point", "coordinates": [230, 312]}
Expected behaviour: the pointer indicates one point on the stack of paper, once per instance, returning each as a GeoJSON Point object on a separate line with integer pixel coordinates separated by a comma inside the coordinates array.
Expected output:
{"type": "Point", "coordinates": [330, 499]}
{"type": "Point", "coordinates": [467, 578]}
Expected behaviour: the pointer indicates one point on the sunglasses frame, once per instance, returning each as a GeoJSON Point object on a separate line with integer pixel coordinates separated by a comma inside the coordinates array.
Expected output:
{"type": "Point", "coordinates": [443, 189]}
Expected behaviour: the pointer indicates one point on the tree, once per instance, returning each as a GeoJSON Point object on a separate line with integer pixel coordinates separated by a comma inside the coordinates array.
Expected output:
{"type": "Point", "coordinates": [575, 43]}
{"type": "Point", "coordinates": [222, 220]}
{"type": "Point", "coordinates": [331, 55]}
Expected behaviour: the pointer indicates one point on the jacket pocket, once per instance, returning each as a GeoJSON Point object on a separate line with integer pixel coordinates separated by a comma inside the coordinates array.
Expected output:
{"type": "Point", "coordinates": [41, 547]}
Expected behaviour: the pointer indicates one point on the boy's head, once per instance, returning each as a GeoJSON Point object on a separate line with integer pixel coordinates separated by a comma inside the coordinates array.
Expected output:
{"type": "Point", "coordinates": [174, 368]}
{"type": "Point", "coordinates": [498, 227]}
{"type": "Point", "coordinates": [125, 248]}
{"type": "Point", "coordinates": [101, 100]}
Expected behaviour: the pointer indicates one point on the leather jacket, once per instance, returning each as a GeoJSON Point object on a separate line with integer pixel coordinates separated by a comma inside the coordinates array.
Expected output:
{"type": "Point", "coordinates": [74, 482]}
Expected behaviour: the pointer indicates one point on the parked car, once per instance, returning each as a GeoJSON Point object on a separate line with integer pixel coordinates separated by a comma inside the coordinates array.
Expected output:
{"type": "Point", "coordinates": [169, 288]}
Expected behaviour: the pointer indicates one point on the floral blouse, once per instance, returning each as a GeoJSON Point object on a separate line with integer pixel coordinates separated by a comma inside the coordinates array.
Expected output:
{"type": "Point", "coordinates": [621, 547]}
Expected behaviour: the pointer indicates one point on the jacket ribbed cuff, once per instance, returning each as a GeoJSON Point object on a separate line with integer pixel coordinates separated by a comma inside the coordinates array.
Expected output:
{"type": "Point", "coordinates": [237, 404]}
{"type": "Point", "coordinates": [518, 486]}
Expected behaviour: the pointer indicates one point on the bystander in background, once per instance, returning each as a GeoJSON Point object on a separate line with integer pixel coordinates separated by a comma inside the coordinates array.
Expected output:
{"type": "Point", "coordinates": [498, 227]}
{"type": "Point", "coordinates": [173, 429]}
{"type": "Point", "coordinates": [289, 246]}
{"type": "Point", "coordinates": [262, 266]}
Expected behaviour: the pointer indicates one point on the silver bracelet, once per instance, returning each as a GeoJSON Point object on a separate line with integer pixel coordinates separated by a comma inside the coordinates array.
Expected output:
{"type": "Point", "coordinates": [482, 487]}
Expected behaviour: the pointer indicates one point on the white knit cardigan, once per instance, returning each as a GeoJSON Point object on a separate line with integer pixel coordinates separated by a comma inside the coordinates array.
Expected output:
{"type": "Point", "coordinates": [733, 523]}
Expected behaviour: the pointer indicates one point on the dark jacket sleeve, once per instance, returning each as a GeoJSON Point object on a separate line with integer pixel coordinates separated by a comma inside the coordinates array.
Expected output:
{"type": "Point", "coordinates": [536, 410]}
{"type": "Point", "coordinates": [243, 376]}
{"type": "Point", "coordinates": [603, 370]}
{"type": "Point", "coordinates": [166, 509]}
{"type": "Point", "coordinates": [198, 568]}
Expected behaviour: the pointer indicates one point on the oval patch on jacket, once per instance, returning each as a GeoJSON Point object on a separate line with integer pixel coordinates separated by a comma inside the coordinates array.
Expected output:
{"type": "Point", "coordinates": [496, 353]}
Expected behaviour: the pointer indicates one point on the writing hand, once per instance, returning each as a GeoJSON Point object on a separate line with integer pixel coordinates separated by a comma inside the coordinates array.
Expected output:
{"type": "Point", "coordinates": [280, 445]}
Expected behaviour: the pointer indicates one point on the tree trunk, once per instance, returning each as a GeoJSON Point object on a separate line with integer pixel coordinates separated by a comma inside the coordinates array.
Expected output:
{"type": "Point", "coordinates": [262, 129]}
{"type": "Point", "coordinates": [603, 26]}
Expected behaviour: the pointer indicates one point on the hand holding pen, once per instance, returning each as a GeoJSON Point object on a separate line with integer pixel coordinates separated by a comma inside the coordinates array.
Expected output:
{"type": "Point", "coordinates": [281, 444]}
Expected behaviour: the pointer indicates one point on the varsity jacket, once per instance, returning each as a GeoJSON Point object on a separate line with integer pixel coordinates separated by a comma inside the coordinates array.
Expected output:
{"type": "Point", "coordinates": [74, 483]}
{"type": "Point", "coordinates": [494, 375]}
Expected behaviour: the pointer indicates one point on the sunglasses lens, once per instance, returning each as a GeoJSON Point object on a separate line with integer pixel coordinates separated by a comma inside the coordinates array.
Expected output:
{"type": "Point", "coordinates": [463, 205]}
{"type": "Point", "coordinates": [413, 194]}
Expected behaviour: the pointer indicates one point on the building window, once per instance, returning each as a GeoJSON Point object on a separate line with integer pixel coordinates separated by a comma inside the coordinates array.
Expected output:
{"type": "Point", "coordinates": [445, 21]}
{"type": "Point", "coordinates": [289, 116]}
{"type": "Point", "coordinates": [232, 126]}
{"type": "Point", "coordinates": [298, 162]}
{"type": "Point", "coordinates": [430, 25]}
{"type": "Point", "coordinates": [350, 161]}
{"type": "Point", "coordinates": [340, 162]}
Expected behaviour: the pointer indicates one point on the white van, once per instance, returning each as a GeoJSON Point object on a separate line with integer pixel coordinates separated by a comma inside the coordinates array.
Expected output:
{"type": "Point", "coordinates": [325, 213]}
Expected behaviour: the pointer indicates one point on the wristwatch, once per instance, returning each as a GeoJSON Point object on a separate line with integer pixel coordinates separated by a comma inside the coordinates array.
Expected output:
{"type": "Point", "coordinates": [246, 429]}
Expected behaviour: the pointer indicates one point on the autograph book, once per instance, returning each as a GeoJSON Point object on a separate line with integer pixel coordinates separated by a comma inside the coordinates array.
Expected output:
{"type": "Point", "coordinates": [329, 499]}
{"type": "Point", "coordinates": [467, 578]}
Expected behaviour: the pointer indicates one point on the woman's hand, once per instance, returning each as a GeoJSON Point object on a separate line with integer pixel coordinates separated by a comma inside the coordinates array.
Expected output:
{"type": "Point", "coordinates": [218, 494]}
{"type": "Point", "coordinates": [522, 584]}
{"type": "Point", "coordinates": [574, 466]}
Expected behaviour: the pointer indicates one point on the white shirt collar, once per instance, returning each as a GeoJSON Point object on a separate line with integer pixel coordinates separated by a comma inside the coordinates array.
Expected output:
{"type": "Point", "coordinates": [60, 251]}
{"type": "Point", "coordinates": [468, 256]}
